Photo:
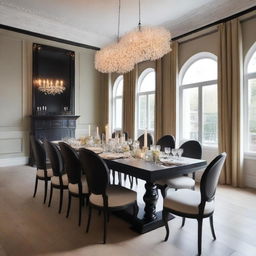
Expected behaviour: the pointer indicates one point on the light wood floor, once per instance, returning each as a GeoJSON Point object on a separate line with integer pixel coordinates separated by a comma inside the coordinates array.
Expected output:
{"type": "Point", "coordinates": [27, 227]}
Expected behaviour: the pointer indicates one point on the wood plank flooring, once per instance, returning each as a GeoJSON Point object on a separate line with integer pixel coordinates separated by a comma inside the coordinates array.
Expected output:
{"type": "Point", "coordinates": [27, 227]}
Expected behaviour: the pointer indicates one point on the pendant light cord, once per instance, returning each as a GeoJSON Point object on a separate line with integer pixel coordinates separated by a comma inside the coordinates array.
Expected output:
{"type": "Point", "coordinates": [118, 21]}
{"type": "Point", "coordinates": [139, 17]}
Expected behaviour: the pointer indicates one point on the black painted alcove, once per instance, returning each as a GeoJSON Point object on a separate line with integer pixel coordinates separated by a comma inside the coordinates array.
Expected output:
{"type": "Point", "coordinates": [54, 63]}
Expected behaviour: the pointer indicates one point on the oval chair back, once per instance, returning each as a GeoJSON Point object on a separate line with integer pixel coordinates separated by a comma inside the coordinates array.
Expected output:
{"type": "Point", "coordinates": [71, 163]}
{"type": "Point", "coordinates": [96, 171]}
{"type": "Point", "coordinates": [55, 157]}
{"type": "Point", "coordinates": [209, 180]}
{"type": "Point", "coordinates": [192, 149]}
{"type": "Point", "coordinates": [38, 152]}
{"type": "Point", "coordinates": [141, 140]}
{"type": "Point", "coordinates": [166, 141]}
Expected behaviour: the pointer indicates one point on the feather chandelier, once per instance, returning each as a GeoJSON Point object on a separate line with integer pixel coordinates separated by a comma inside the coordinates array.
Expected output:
{"type": "Point", "coordinates": [140, 44]}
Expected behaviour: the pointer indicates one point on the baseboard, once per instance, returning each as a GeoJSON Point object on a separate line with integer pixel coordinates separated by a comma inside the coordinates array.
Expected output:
{"type": "Point", "coordinates": [13, 161]}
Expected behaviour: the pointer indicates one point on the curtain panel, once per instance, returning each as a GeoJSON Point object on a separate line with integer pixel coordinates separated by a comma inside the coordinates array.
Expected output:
{"type": "Point", "coordinates": [105, 100]}
{"type": "Point", "coordinates": [166, 83]}
{"type": "Point", "coordinates": [229, 96]}
{"type": "Point", "coordinates": [129, 95]}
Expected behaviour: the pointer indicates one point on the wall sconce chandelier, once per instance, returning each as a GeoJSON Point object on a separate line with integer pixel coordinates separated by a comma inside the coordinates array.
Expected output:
{"type": "Point", "coordinates": [50, 86]}
{"type": "Point", "coordinates": [140, 44]}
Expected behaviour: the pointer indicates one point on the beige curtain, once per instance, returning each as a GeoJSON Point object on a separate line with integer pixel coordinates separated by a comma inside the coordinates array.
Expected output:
{"type": "Point", "coordinates": [230, 87]}
{"type": "Point", "coordinates": [130, 81]}
{"type": "Point", "coordinates": [166, 82]}
{"type": "Point", "coordinates": [104, 89]}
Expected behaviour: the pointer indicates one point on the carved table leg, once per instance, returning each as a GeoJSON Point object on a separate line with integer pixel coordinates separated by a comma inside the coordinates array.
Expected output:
{"type": "Point", "coordinates": [150, 198]}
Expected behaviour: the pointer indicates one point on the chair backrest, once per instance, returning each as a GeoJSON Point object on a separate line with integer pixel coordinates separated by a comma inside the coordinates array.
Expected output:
{"type": "Point", "coordinates": [119, 134]}
{"type": "Point", "coordinates": [209, 180]}
{"type": "Point", "coordinates": [141, 140]}
{"type": "Point", "coordinates": [71, 163]}
{"type": "Point", "coordinates": [38, 152]}
{"type": "Point", "coordinates": [55, 157]}
{"type": "Point", "coordinates": [192, 149]}
{"type": "Point", "coordinates": [166, 141]}
{"type": "Point", "coordinates": [96, 171]}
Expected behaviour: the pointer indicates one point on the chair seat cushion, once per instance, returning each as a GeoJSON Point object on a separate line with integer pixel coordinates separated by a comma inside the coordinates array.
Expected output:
{"type": "Point", "coordinates": [186, 201]}
{"type": "Point", "coordinates": [74, 187]}
{"type": "Point", "coordinates": [56, 181]}
{"type": "Point", "coordinates": [40, 173]}
{"type": "Point", "coordinates": [117, 197]}
{"type": "Point", "coordinates": [178, 182]}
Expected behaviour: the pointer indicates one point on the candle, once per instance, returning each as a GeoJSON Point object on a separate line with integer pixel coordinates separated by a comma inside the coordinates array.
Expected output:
{"type": "Point", "coordinates": [145, 139]}
{"type": "Point", "coordinates": [97, 132]}
{"type": "Point", "coordinates": [107, 133]}
{"type": "Point", "coordinates": [89, 130]}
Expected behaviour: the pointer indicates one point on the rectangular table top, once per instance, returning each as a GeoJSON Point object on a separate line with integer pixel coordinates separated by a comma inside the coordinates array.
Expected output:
{"type": "Point", "coordinates": [151, 171]}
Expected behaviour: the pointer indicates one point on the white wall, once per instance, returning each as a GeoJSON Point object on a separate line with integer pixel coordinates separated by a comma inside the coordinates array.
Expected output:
{"type": "Point", "coordinates": [16, 93]}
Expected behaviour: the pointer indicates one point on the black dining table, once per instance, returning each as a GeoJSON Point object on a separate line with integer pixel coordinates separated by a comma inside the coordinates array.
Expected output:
{"type": "Point", "coordinates": [150, 172]}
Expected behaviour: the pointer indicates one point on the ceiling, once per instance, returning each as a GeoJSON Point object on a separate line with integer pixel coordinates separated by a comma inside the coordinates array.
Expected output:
{"type": "Point", "coordinates": [94, 22]}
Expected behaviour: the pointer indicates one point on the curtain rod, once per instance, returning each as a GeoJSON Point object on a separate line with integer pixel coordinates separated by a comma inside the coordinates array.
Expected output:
{"type": "Point", "coordinates": [216, 23]}
{"type": "Point", "coordinates": [51, 38]}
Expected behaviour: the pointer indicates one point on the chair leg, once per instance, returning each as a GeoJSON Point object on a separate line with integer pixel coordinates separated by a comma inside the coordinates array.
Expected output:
{"type": "Point", "coordinates": [199, 241]}
{"type": "Point", "coordinates": [50, 199]}
{"type": "Point", "coordinates": [135, 209]}
{"type": "Point", "coordinates": [131, 181]}
{"type": "Point", "coordinates": [183, 222]}
{"type": "Point", "coordinates": [105, 226]}
{"type": "Point", "coordinates": [163, 190]}
{"type": "Point", "coordinates": [212, 227]}
{"type": "Point", "coordinates": [80, 209]}
{"type": "Point", "coordinates": [89, 218]}
{"type": "Point", "coordinates": [61, 199]}
{"type": "Point", "coordinates": [119, 178]}
{"type": "Point", "coordinates": [35, 189]}
{"type": "Point", "coordinates": [114, 176]}
{"type": "Point", "coordinates": [165, 219]}
{"type": "Point", "coordinates": [45, 190]}
{"type": "Point", "coordinates": [69, 204]}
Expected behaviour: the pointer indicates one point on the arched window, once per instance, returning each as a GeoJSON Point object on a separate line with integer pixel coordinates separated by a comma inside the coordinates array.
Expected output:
{"type": "Point", "coordinates": [146, 101]}
{"type": "Point", "coordinates": [198, 98]}
{"type": "Point", "coordinates": [117, 102]}
{"type": "Point", "coordinates": [250, 100]}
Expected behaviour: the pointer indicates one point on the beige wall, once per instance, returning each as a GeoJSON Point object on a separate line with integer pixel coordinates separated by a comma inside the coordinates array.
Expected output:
{"type": "Point", "coordinates": [16, 97]}
{"type": "Point", "coordinates": [248, 27]}
{"type": "Point", "coordinates": [201, 43]}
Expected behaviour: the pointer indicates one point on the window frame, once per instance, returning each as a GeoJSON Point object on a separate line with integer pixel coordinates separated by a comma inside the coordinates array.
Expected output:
{"type": "Point", "coordinates": [247, 76]}
{"type": "Point", "coordinates": [114, 99]}
{"type": "Point", "coordinates": [141, 77]}
{"type": "Point", "coordinates": [200, 86]}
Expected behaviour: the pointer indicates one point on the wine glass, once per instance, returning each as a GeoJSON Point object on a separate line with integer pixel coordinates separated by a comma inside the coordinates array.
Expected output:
{"type": "Point", "coordinates": [167, 151]}
{"type": "Point", "coordinates": [129, 142]}
{"type": "Point", "coordinates": [174, 152]}
{"type": "Point", "coordinates": [180, 152]}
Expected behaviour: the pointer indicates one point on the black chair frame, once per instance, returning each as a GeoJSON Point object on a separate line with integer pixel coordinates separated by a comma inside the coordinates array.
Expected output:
{"type": "Point", "coordinates": [106, 210]}
{"type": "Point", "coordinates": [207, 195]}
{"type": "Point", "coordinates": [55, 157]}
{"type": "Point", "coordinates": [40, 160]}
{"type": "Point", "coordinates": [73, 169]}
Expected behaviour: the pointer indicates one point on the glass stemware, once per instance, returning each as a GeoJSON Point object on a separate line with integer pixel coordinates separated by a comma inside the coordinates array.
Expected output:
{"type": "Point", "coordinates": [180, 152]}
{"type": "Point", "coordinates": [167, 151]}
{"type": "Point", "coordinates": [174, 152]}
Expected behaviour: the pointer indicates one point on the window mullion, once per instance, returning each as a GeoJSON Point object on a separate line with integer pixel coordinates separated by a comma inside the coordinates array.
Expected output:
{"type": "Point", "coordinates": [181, 113]}
{"type": "Point", "coordinates": [200, 114]}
